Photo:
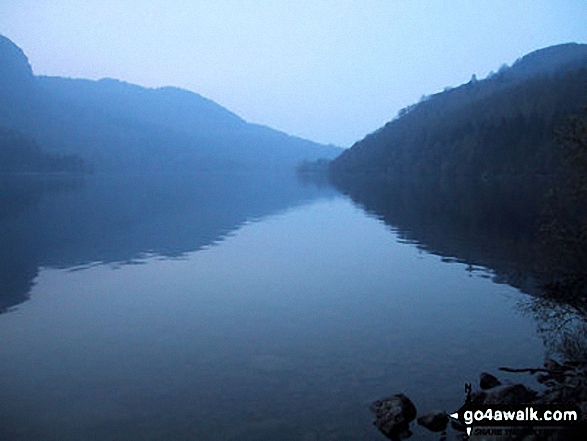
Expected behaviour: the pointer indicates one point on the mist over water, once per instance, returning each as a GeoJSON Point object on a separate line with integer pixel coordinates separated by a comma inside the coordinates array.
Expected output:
{"type": "Point", "coordinates": [263, 309]}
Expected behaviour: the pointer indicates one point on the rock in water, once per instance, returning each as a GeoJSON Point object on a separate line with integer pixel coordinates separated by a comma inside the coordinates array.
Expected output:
{"type": "Point", "coordinates": [393, 415]}
{"type": "Point", "coordinates": [435, 420]}
{"type": "Point", "coordinates": [488, 381]}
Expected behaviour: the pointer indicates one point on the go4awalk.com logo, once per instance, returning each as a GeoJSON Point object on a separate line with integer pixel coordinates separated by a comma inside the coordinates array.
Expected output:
{"type": "Point", "coordinates": [515, 416]}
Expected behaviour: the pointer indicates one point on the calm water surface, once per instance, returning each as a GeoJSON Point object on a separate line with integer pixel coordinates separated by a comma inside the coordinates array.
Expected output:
{"type": "Point", "coordinates": [284, 327]}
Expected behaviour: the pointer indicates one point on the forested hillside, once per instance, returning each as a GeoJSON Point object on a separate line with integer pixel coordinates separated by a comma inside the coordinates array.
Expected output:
{"type": "Point", "coordinates": [499, 127]}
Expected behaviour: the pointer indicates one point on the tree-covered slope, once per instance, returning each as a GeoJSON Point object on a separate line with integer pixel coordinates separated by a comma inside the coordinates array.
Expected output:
{"type": "Point", "coordinates": [489, 129]}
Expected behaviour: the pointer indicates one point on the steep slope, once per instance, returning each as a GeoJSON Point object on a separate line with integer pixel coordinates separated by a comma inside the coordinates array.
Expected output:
{"type": "Point", "coordinates": [18, 89]}
{"type": "Point", "coordinates": [488, 129]}
{"type": "Point", "coordinates": [17, 83]}
{"type": "Point", "coordinates": [121, 126]}
{"type": "Point", "coordinates": [15, 70]}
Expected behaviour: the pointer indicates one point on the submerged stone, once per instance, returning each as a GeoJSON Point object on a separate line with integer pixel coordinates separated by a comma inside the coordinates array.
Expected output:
{"type": "Point", "coordinates": [435, 420]}
{"type": "Point", "coordinates": [488, 381]}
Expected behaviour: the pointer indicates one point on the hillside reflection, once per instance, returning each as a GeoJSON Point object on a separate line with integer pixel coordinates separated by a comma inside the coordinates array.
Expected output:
{"type": "Point", "coordinates": [483, 225]}
{"type": "Point", "coordinates": [495, 226]}
{"type": "Point", "coordinates": [65, 222]}
{"type": "Point", "coordinates": [20, 230]}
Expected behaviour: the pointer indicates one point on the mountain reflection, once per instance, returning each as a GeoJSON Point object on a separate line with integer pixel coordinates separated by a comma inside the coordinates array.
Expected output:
{"type": "Point", "coordinates": [495, 226]}
{"type": "Point", "coordinates": [492, 226]}
{"type": "Point", "coordinates": [20, 230]}
{"type": "Point", "coordinates": [66, 222]}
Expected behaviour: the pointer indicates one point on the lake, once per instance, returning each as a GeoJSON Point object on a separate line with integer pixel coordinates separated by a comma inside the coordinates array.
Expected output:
{"type": "Point", "coordinates": [232, 307]}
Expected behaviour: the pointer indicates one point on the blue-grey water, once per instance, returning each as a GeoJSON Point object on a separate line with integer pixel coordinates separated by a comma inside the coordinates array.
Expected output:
{"type": "Point", "coordinates": [281, 318]}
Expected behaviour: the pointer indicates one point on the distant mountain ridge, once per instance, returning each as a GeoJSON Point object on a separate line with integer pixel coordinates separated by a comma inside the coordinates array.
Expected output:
{"type": "Point", "coordinates": [116, 125]}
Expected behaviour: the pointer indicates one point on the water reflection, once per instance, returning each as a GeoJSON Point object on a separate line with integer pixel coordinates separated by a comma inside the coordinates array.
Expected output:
{"type": "Point", "coordinates": [498, 226]}
{"type": "Point", "coordinates": [286, 330]}
{"type": "Point", "coordinates": [64, 222]}
{"type": "Point", "coordinates": [485, 225]}
{"type": "Point", "coordinates": [19, 226]}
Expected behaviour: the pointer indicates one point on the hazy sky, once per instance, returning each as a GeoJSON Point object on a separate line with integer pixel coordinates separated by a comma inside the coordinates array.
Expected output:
{"type": "Point", "coordinates": [327, 70]}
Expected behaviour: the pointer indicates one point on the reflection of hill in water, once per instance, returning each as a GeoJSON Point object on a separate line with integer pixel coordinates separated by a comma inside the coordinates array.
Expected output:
{"type": "Point", "coordinates": [492, 226]}
{"type": "Point", "coordinates": [19, 231]}
{"type": "Point", "coordinates": [60, 223]}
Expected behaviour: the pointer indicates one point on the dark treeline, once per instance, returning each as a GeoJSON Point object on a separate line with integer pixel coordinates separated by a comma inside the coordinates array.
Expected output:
{"type": "Point", "coordinates": [563, 227]}
{"type": "Point", "coordinates": [483, 163]}
{"type": "Point", "coordinates": [531, 233]}
{"type": "Point", "coordinates": [19, 154]}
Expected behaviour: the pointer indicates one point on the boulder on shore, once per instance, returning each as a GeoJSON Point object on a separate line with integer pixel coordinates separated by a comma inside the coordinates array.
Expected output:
{"type": "Point", "coordinates": [393, 416]}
